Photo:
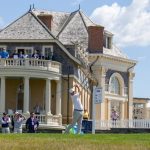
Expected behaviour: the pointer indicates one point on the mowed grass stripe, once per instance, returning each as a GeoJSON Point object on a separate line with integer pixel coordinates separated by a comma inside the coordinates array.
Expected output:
{"type": "Point", "coordinates": [75, 142]}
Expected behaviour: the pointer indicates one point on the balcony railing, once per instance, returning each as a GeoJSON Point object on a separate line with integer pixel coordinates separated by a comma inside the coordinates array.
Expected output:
{"type": "Point", "coordinates": [107, 89]}
{"type": "Point", "coordinates": [137, 123]}
{"type": "Point", "coordinates": [31, 63]}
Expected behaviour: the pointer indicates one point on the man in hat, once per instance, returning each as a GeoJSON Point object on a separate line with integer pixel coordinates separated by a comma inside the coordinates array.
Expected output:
{"type": "Point", "coordinates": [78, 110]}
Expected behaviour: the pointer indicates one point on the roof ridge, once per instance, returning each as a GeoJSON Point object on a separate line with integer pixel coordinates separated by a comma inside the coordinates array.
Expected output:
{"type": "Point", "coordinates": [67, 21]}
{"type": "Point", "coordinates": [82, 13]}
{"type": "Point", "coordinates": [52, 11]}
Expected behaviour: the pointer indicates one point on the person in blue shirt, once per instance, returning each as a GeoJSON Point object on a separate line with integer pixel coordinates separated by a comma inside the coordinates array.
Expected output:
{"type": "Point", "coordinates": [4, 53]}
{"type": "Point", "coordinates": [32, 123]}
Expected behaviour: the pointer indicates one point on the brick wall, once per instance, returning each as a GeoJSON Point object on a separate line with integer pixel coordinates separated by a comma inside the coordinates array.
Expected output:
{"type": "Point", "coordinates": [95, 42]}
{"type": "Point", "coordinates": [46, 19]}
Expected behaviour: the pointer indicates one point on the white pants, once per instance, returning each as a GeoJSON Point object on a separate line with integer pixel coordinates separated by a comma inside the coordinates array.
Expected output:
{"type": "Point", "coordinates": [6, 130]}
{"type": "Point", "coordinates": [77, 118]}
{"type": "Point", "coordinates": [17, 130]}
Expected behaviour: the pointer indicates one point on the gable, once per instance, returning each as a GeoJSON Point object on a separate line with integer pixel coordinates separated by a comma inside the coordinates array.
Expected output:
{"type": "Point", "coordinates": [25, 28]}
{"type": "Point", "coordinates": [74, 31]}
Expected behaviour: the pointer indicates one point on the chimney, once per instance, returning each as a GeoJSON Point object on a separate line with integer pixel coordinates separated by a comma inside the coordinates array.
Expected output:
{"type": "Point", "coordinates": [95, 43]}
{"type": "Point", "coordinates": [46, 19]}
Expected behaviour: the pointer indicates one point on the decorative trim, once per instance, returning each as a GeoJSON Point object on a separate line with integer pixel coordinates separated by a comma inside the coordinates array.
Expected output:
{"type": "Point", "coordinates": [114, 58]}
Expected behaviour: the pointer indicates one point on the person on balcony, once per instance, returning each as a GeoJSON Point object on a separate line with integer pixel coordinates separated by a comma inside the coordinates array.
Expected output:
{"type": "Point", "coordinates": [35, 55]}
{"type": "Point", "coordinates": [15, 55]}
{"type": "Point", "coordinates": [32, 123]}
{"type": "Point", "coordinates": [4, 54]}
{"type": "Point", "coordinates": [25, 55]}
{"type": "Point", "coordinates": [5, 123]}
{"type": "Point", "coordinates": [21, 56]}
{"type": "Point", "coordinates": [78, 110]}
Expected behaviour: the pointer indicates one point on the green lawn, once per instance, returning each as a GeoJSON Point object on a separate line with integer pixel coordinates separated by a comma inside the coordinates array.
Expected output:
{"type": "Point", "coordinates": [75, 142]}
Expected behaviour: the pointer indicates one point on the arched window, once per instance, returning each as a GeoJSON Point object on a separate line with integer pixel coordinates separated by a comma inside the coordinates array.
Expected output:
{"type": "Point", "coordinates": [114, 85]}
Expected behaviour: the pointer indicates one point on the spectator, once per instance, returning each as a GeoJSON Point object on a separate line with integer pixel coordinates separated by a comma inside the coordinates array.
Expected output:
{"type": "Point", "coordinates": [32, 123]}
{"type": "Point", "coordinates": [21, 55]}
{"type": "Point", "coordinates": [114, 115]}
{"type": "Point", "coordinates": [25, 55]}
{"type": "Point", "coordinates": [15, 55]}
{"type": "Point", "coordinates": [18, 121]}
{"type": "Point", "coordinates": [37, 109]}
{"type": "Point", "coordinates": [4, 53]}
{"type": "Point", "coordinates": [85, 115]}
{"type": "Point", "coordinates": [5, 123]}
{"type": "Point", "coordinates": [35, 55]}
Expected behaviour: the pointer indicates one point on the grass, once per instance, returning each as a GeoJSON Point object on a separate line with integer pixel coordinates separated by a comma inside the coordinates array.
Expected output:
{"type": "Point", "coordinates": [75, 142]}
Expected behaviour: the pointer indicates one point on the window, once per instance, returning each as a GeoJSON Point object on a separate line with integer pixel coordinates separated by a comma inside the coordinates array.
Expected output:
{"type": "Point", "coordinates": [108, 42]}
{"type": "Point", "coordinates": [138, 111]}
{"type": "Point", "coordinates": [114, 85]}
{"type": "Point", "coordinates": [27, 50]}
{"type": "Point", "coordinates": [48, 52]}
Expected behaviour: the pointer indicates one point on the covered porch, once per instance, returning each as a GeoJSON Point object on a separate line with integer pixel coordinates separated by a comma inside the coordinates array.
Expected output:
{"type": "Point", "coordinates": [22, 86]}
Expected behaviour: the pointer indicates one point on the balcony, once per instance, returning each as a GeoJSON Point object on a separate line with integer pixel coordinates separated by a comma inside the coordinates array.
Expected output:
{"type": "Point", "coordinates": [29, 65]}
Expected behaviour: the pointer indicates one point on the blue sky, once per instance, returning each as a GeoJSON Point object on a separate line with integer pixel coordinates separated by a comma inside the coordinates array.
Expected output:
{"type": "Point", "coordinates": [129, 20]}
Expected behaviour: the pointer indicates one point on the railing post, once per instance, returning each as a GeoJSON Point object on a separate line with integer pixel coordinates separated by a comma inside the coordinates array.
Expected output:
{"type": "Point", "coordinates": [26, 62]}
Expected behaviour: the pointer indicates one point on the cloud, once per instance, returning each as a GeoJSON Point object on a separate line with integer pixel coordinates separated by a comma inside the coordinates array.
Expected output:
{"type": "Point", "coordinates": [130, 24]}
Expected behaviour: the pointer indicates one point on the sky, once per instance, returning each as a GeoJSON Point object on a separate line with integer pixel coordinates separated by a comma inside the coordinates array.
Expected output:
{"type": "Point", "coordinates": [128, 20]}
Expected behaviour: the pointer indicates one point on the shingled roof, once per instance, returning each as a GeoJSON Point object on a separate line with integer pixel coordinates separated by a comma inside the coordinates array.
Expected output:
{"type": "Point", "coordinates": [29, 27]}
{"type": "Point", "coordinates": [59, 18]}
{"type": "Point", "coordinates": [26, 27]}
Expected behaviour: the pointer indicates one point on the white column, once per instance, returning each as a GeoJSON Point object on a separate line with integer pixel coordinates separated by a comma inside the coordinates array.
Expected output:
{"type": "Point", "coordinates": [26, 95]}
{"type": "Point", "coordinates": [122, 111]}
{"type": "Point", "coordinates": [58, 98]}
{"type": "Point", "coordinates": [109, 110]}
{"type": "Point", "coordinates": [130, 100]}
{"type": "Point", "coordinates": [102, 84]}
{"type": "Point", "coordinates": [2, 96]}
{"type": "Point", "coordinates": [48, 97]}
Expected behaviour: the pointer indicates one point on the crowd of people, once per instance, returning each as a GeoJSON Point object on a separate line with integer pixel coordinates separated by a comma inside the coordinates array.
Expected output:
{"type": "Point", "coordinates": [16, 121]}
{"type": "Point", "coordinates": [22, 54]}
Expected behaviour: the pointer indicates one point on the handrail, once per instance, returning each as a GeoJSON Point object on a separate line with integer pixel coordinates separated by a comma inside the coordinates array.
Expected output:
{"type": "Point", "coordinates": [30, 63]}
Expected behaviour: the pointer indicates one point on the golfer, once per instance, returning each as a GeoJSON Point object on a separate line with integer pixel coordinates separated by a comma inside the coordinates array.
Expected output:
{"type": "Point", "coordinates": [78, 110]}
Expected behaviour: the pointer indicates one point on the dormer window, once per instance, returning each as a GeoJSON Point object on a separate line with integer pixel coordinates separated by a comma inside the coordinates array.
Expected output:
{"type": "Point", "coordinates": [108, 38]}
{"type": "Point", "coordinates": [108, 42]}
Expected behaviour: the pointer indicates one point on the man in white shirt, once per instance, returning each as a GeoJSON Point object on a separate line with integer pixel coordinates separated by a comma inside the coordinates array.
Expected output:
{"type": "Point", "coordinates": [78, 110]}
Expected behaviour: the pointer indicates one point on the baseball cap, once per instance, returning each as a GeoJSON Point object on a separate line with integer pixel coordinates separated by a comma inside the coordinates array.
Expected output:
{"type": "Point", "coordinates": [16, 113]}
{"type": "Point", "coordinates": [71, 90]}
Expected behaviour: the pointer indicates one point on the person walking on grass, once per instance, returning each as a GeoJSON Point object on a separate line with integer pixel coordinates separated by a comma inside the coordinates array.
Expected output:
{"type": "Point", "coordinates": [78, 110]}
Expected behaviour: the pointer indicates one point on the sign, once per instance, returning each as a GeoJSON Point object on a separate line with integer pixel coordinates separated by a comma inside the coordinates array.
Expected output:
{"type": "Point", "coordinates": [97, 95]}
{"type": "Point", "coordinates": [87, 126]}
